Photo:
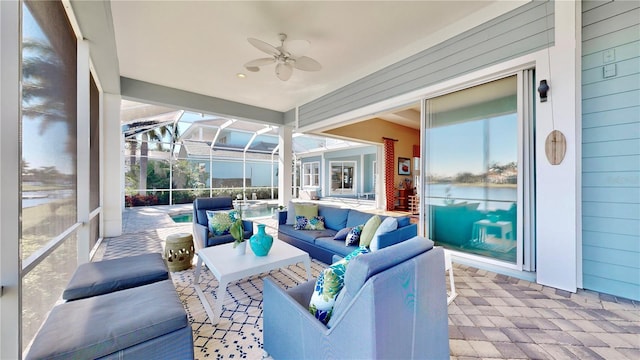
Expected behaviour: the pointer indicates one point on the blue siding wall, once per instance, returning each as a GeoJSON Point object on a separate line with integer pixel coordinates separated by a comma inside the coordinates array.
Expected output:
{"type": "Point", "coordinates": [611, 147]}
{"type": "Point", "coordinates": [516, 33]}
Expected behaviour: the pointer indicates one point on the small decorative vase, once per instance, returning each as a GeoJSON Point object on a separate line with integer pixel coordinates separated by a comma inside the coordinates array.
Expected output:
{"type": "Point", "coordinates": [261, 242]}
{"type": "Point", "coordinates": [241, 248]}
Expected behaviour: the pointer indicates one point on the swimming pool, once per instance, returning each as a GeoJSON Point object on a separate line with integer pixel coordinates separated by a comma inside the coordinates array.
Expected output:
{"type": "Point", "coordinates": [250, 213]}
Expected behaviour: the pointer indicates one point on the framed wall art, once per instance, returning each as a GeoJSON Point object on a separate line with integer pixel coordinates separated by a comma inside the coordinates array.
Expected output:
{"type": "Point", "coordinates": [404, 166]}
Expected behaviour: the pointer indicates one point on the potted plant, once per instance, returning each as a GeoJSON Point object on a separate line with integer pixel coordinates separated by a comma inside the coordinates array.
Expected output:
{"type": "Point", "coordinates": [237, 232]}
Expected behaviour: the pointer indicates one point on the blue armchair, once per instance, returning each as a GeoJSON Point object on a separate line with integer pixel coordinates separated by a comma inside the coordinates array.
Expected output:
{"type": "Point", "coordinates": [393, 306]}
{"type": "Point", "coordinates": [201, 234]}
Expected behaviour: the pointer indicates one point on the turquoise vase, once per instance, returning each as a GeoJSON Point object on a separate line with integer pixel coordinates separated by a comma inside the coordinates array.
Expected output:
{"type": "Point", "coordinates": [261, 242]}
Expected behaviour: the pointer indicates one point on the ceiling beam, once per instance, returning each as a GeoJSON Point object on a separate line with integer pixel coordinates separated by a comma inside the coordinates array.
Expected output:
{"type": "Point", "coordinates": [149, 93]}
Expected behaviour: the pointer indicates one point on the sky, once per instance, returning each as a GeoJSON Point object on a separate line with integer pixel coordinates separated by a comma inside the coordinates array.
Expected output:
{"type": "Point", "coordinates": [48, 148]}
{"type": "Point", "coordinates": [460, 147]}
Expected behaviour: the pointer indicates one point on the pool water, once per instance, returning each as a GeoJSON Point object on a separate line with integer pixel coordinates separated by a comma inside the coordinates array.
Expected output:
{"type": "Point", "coordinates": [247, 214]}
{"type": "Point", "coordinates": [182, 218]}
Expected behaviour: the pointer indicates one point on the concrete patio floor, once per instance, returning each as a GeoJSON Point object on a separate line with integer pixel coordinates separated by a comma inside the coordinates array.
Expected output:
{"type": "Point", "coordinates": [494, 316]}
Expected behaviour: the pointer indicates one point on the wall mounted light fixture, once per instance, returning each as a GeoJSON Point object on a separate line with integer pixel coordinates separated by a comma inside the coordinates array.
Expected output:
{"type": "Point", "coordinates": [543, 89]}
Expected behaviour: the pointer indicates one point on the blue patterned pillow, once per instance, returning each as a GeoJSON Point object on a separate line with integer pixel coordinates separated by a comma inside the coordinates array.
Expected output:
{"type": "Point", "coordinates": [328, 286]}
{"type": "Point", "coordinates": [220, 221]}
{"type": "Point", "coordinates": [314, 223]}
{"type": "Point", "coordinates": [353, 237]}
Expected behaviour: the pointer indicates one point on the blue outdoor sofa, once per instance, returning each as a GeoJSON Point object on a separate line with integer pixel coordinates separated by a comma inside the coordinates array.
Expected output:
{"type": "Point", "coordinates": [321, 245]}
{"type": "Point", "coordinates": [393, 306]}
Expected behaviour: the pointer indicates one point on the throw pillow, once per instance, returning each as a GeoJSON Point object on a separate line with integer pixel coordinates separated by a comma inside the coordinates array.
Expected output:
{"type": "Point", "coordinates": [389, 224]}
{"type": "Point", "coordinates": [314, 223]}
{"type": "Point", "coordinates": [353, 237]}
{"type": "Point", "coordinates": [328, 286]}
{"type": "Point", "coordinates": [291, 213]}
{"type": "Point", "coordinates": [342, 234]}
{"type": "Point", "coordinates": [220, 221]}
{"type": "Point", "coordinates": [306, 210]}
{"type": "Point", "coordinates": [369, 230]}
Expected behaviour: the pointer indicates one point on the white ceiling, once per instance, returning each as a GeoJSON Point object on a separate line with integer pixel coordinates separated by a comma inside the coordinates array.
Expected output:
{"type": "Point", "coordinates": [200, 46]}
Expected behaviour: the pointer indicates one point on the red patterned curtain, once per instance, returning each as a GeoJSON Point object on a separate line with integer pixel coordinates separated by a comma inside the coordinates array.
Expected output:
{"type": "Point", "coordinates": [389, 171]}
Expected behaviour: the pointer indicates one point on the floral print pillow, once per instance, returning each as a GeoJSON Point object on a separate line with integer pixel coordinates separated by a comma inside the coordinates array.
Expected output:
{"type": "Point", "coordinates": [353, 237]}
{"type": "Point", "coordinates": [220, 221]}
{"type": "Point", "coordinates": [314, 223]}
{"type": "Point", "coordinates": [328, 286]}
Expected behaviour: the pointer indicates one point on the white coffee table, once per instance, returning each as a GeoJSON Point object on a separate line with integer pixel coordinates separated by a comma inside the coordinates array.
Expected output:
{"type": "Point", "coordinates": [226, 266]}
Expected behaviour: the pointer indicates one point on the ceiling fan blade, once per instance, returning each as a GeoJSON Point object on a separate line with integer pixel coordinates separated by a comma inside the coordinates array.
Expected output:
{"type": "Point", "coordinates": [263, 46]}
{"type": "Point", "coordinates": [260, 62]}
{"type": "Point", "coordinates": [296, 48]}
{"type": "Point", "coordinates": [306, 63]}
{"type": "Point", "coordinates": [284, 71]}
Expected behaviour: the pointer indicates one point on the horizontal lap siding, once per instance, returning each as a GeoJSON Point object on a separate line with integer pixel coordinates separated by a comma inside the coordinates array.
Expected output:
{"type": "Point", "coordinates": [521, 31]}
{"type": "Point", "coordinates": [611, 148]}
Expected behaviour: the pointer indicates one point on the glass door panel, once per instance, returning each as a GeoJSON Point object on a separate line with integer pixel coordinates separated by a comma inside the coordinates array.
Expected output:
{"type": "Point", "coordinates": [472, 170]}
{"type": "Point", "coordinates": [342, 178]}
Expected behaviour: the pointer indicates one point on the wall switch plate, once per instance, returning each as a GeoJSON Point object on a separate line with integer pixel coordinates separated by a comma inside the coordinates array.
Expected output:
{"type": "Point", "coordinates": [608, 56]}
{"type": "Point", "coordinates": [609, 71]}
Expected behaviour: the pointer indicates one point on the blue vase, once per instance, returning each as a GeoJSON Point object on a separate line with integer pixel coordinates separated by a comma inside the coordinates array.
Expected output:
{"type": "Point", "coordinates": [261, 242]}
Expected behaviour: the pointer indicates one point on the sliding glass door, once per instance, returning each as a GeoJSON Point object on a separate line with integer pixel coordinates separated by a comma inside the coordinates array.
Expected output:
{"type": "Point", "coordinates": [474, 170]}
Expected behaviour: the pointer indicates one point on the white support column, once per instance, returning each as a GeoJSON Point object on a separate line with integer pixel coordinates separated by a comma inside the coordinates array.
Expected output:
{"type": "Point", "coordinates": [83, 151]}
{"type": "Point", "coordinates": [113, 175]}
{"type": "Point", "coordinates": [284, 164]}
{"type": "Point", "coordinates": [10, 298]}
{"type": "Point", "coordinates": [558, 186]}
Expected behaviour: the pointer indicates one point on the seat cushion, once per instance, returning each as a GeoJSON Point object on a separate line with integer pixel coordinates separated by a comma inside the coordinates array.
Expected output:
{"type": "Point", "coordinates": [100, 325]}
{"type": "Point", "coordinates": [102, 277]}
{"type": "Point", "coordinates": [306, 235]}
{"type": "Point", "coordinates": [335, 246]}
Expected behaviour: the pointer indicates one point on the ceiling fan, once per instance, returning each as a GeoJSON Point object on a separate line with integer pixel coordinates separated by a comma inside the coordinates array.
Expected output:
{"type": "Point", "coordinates": [286, 57]}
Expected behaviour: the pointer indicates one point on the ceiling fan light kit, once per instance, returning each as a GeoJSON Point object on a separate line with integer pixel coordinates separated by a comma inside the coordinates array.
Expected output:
{"type": "Point", "coordinates": [286, 57]}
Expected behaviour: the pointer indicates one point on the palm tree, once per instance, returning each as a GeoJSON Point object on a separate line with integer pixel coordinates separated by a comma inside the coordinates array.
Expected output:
{"type": "Point", "coordinates": [43, 97]}
{"type": "Point", "coordinates": [156, 134]}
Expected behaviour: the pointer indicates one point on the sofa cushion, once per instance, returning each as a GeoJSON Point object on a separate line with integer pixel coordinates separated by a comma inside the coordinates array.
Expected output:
{"type": "Point", "coordinates": [306, 235]}
{"type": "Point", "coordinates": [369, 230]}
{"type": "Point", "coordinates": [389, 224]}
{"type": "Point", "coordinates": [103, 277]}
{"type": "Point", "coordinates": [328, 286]}
{"type": "Point", "coordinates": [334, 218]}
{"type": "Point", "coordinates": [313, 223]}
{"type": "Point", "coordinates": [342, 234]}
{"type": "Point", "coordinates": [97, 326]}
{"type": "Point", "coordinates": [220, 221]}
{"type": "Point", "coordinates": [357, 217]}
{"type": "Point", "coordinates": [335, 246]}
{"type": "Point", "coordinates": [353, 237]}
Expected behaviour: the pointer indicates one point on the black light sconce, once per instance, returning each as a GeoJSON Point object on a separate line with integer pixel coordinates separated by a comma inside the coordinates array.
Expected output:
{"type": "Point", "coordinates": [543, 89]}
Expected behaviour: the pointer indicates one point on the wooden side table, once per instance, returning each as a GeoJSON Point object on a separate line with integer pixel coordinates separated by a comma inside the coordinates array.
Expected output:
{"type": "Point", "coordinates": [178, 251]}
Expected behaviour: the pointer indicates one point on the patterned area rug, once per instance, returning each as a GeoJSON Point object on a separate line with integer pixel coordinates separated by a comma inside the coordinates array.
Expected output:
{"type": "Point", "coordinates": [238, 335]}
